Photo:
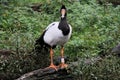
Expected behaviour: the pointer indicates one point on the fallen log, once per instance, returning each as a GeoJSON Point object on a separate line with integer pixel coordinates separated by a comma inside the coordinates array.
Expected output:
{"type": "Point", "coordinates": [52, 74]}
{"type": "Point", "coordinates": [47, 74]}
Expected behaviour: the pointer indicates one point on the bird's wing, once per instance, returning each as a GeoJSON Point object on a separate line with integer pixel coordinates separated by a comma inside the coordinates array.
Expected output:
{"type": "Point", "coordinates": [51, 25]}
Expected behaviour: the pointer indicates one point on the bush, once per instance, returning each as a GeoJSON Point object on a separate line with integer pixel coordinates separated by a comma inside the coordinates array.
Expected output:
{"type": "Point", "coordinates": [106, 69]}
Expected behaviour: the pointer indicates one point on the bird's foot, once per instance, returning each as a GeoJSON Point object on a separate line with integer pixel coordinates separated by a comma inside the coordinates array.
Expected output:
{"type": "Point", "coordinates": [63, 65]}
{"type": "Point", "coordinates": [53, 66]}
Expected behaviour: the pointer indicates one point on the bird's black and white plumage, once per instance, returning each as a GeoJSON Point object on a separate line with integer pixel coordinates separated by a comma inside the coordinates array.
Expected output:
{"type": "Point", "coordinates": [57, 33]}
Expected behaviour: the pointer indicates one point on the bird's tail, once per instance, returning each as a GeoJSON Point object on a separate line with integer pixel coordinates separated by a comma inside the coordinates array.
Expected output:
{"type": "Point", "coordinates": [40, 45]}
{"type": "Point", "coordinates": [41, 52]}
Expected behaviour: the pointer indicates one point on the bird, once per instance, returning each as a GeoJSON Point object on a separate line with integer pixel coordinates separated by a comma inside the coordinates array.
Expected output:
{"type": "Point", "coordinates": [56, 33]}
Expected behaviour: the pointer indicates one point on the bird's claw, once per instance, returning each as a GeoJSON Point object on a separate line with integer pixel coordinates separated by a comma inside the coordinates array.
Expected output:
{"type": "Point", "coordinates": [53, 66]}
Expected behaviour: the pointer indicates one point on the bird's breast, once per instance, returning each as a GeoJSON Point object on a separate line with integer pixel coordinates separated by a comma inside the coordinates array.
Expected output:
{"type": "Point", "coordinates": [55, 37]}
{"type": "Point", "coordinates": [64, 27]}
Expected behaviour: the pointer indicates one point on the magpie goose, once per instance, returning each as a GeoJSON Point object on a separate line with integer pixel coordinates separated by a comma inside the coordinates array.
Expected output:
{"type": "Point", "coordinates": [57, 33]}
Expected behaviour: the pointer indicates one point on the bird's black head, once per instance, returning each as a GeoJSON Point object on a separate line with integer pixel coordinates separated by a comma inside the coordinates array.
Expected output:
{"type": "Point", "coordinates": [63, 11]}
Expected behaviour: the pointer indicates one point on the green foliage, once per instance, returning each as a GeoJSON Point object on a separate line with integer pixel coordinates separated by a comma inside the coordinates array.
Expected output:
{"type": "Point", "coordinates": [107, 69]}
{"type": "Point", "coordinates": [16, 65]}
{"type": "Point", "coordinates": [96, 30]}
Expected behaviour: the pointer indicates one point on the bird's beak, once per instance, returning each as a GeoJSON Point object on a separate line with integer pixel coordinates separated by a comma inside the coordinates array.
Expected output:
{"type": "Point", "coordinates": [63, 11]}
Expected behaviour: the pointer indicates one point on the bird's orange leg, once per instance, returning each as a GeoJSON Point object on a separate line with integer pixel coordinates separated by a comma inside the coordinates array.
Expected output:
{"type": "Point", "coordinates": [51, 60]}
{"type": "Point", "coordinates": [63, 65]}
